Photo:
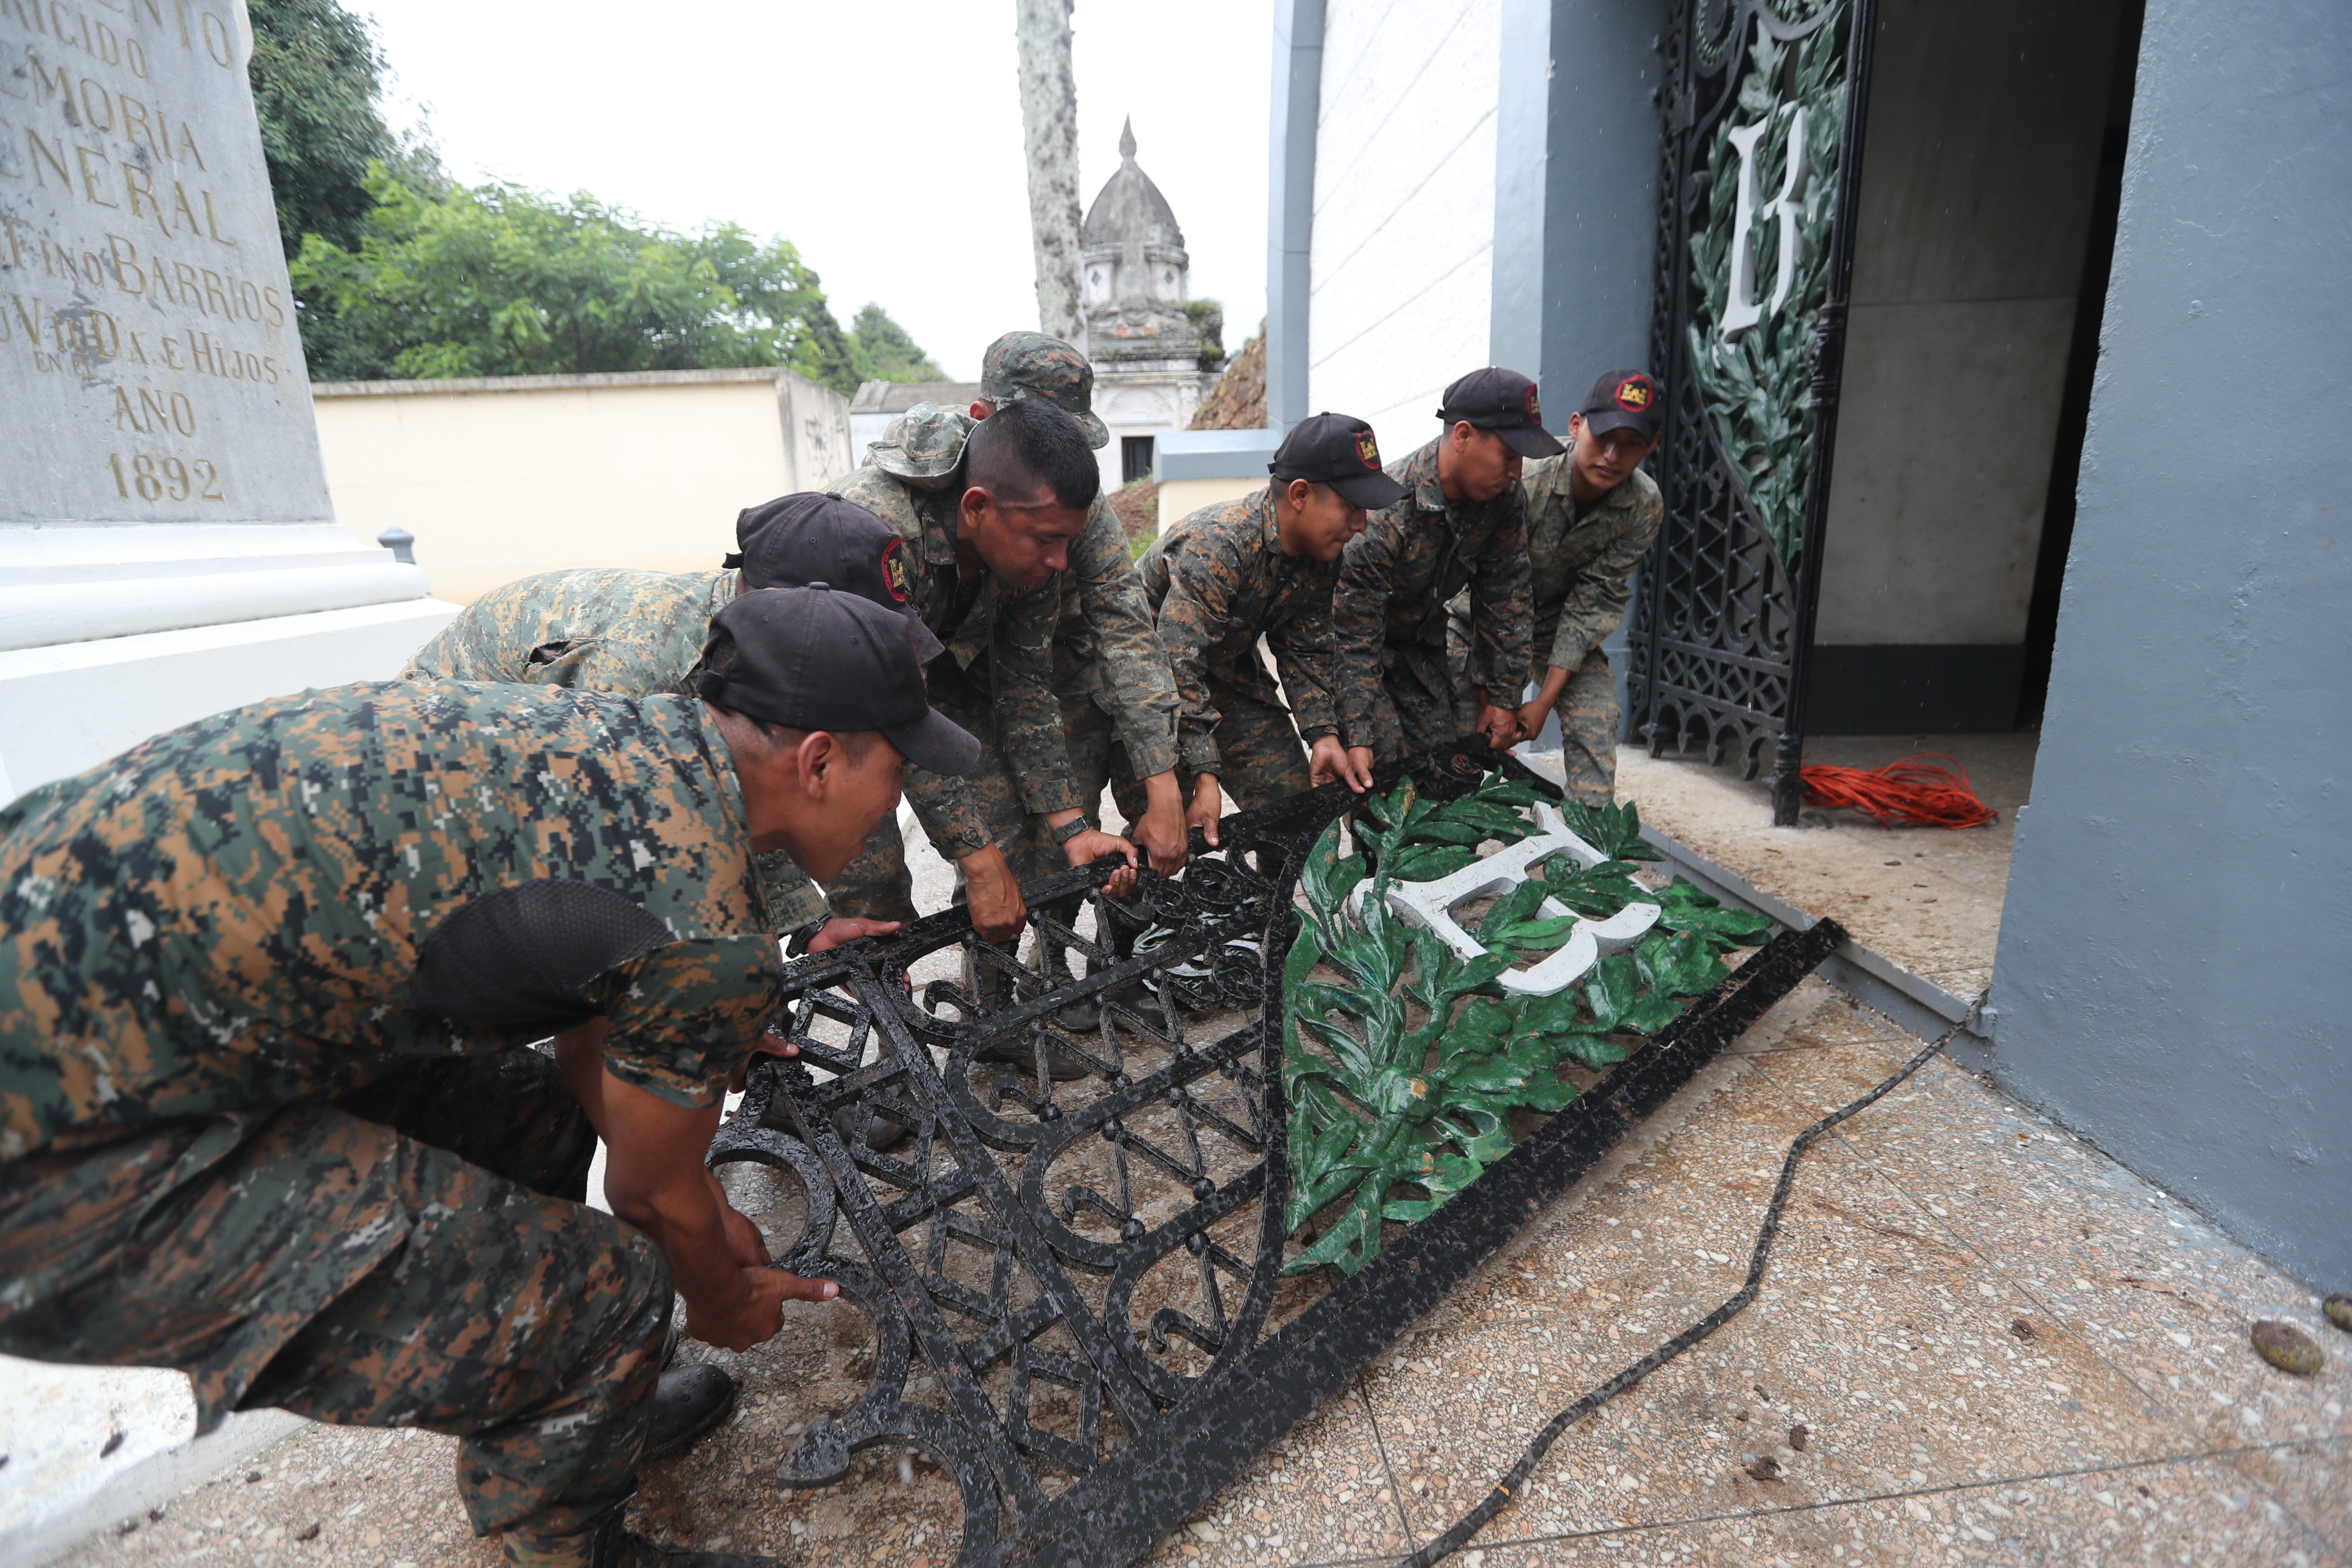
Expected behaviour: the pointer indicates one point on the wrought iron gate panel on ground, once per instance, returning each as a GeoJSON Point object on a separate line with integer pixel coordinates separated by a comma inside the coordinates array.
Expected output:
{"type": "Point", "coordinates": [1085, 1268]}
{"type": "Point", "coordinates": [1760, 163]}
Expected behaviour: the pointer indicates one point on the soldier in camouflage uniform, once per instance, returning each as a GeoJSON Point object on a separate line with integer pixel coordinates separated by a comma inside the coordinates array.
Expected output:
{"type": "Point", "coordinates": [1022, 811]}
{"type": "Point", "coordinates": [268, 1110]}
{"type": "Point", "coordinates": [1592, 513]}
{"type": "Point", "coordinates": [1111, 679]}
{"type": "Point", "coordinates": [1461, 523]}
{"type": "Point", "coordinates": [641, 633]}
{"type": "Point", "coordinates": [1264, 566]}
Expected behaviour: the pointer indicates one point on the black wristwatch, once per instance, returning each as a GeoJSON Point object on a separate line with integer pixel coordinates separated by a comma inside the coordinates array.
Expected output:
{"type": "Point", "coordinates": [798, 945]}
{"type": "Point", "coordinates": [1069, 829]}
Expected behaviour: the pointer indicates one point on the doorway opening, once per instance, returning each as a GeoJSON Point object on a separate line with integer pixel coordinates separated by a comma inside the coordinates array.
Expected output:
{"type": "Point", "coordinates": [1134, 459]}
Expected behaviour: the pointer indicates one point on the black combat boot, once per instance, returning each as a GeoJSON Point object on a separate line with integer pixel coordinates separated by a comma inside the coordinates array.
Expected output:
{"type": "Point", "coordinates": [618, 1547]}
{"type": "Point", "coordinates": [688, 1401]}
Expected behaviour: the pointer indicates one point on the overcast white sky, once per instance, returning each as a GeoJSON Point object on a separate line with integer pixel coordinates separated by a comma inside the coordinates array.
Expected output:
{"type": "Point", "coordinates": [884, 141]}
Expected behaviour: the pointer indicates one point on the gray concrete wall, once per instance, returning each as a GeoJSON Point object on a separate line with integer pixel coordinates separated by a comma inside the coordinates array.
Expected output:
{"type": "Point", "coordinates": [2171, 976]}
{"type": "Point", "coordinates": [1981, 157]}
{"type": "Point", "coordinates": [1576, 192]}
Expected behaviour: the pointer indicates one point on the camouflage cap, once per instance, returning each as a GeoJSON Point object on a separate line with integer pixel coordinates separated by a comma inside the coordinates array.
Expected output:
{"type": "Point", "coordinates": [1031, 364]}
{"type": "Point", "coordinates": [924, 446]}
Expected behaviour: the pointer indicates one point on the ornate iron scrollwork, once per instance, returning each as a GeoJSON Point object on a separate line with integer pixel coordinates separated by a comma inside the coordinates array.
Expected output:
{"type": "Point", "coordinates": [1722, 623]}
{"type": "Point", "coordinates": [1084, 1266]}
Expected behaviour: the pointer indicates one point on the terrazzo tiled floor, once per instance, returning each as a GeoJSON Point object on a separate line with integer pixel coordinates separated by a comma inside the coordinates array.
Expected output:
{"type": "Point", "coordinates": [1928, 898]}
{"type": "Point", "coordinates": [1980, 1340]}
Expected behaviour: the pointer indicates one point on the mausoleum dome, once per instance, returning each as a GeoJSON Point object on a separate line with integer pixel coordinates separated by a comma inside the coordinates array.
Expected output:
{"type": "Point", "coordinates": [1131, 207]}
{"type": "Point", "coordinates": [1135, 274]}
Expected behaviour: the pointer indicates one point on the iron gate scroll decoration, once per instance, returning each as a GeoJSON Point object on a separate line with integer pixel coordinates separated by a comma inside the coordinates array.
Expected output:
{"type": "Point", "coordinates": [1764, 104]}
{"type": "Point", "coordinates": [1097, 1358]}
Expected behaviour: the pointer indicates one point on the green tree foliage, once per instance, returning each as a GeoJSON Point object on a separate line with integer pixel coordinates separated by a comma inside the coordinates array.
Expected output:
{"type": "Point", "coordinates": [1208, 318]}
{"type": "Point", "coordinates": [500, 280]}
{"type": "Point", "coordinates": [317, 80]}
{"type": "Point", "coordinates": [316, 74]}
{"type": "Point", "coordinates": [884, 351]}
{"type": "Point", "coordinates": [400, 273]}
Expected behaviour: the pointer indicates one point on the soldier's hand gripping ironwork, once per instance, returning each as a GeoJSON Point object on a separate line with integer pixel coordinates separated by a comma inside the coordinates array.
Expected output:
{"type": "Point", "coordinates": [1160, 832]}
{"type": "Point", "coordinates": [993, 895]}
{"type": "Point", "coordinates": [1090, 844]}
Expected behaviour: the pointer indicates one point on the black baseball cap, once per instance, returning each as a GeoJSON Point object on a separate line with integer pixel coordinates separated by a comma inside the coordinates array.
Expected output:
{"type": "Point", "coordinates": [1339, 450]}
{"type": "Point", "coordinates": [1625, 400]}
{"type": "Point", "coordinates": [1505, 402]}
{"type": "Point", "coordinates": [798, 540]}
{"type": "Point", "coordinates": [812, 658]}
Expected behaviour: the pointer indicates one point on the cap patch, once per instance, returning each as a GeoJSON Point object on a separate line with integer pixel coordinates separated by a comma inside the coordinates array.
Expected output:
{"type": "Point", "coordinates": [1367, 450]}
{"type": "Point", "coordinates": [1633, 394]}
{"type": "Point", "coordinates": [1534, 409]}
{"type": "Point", "coordinates": [894, 570]}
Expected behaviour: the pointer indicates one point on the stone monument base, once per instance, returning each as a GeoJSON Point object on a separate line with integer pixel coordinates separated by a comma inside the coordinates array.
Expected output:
{"type": "Point", "coordinates": [66, 706]}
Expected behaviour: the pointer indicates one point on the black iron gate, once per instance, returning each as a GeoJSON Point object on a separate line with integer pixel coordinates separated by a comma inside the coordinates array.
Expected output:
{"type": "Point", "coordinates": [1072, 1279]}
{"type": "Point", "coordinates": [1764, 103]}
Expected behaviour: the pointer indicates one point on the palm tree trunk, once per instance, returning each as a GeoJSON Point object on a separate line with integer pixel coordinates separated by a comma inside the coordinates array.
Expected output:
{"type": "Point", "coordinates": [1049, 125]}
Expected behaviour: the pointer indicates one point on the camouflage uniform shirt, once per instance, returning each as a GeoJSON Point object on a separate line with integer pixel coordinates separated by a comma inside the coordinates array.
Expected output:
{"type": "Point", "coordinates": [1220, 581]}
{"type": "Point", "coordinates": [1105, 644]}
{"type": "Point", "coordinates": [1579, 556]}
{"type": "Point", "coordinates": [606, 629]}
{"type": "Point", "coordinates": [1396, 576]}
{"type": "Point", "coordinates": [287, 901]}
{"type": "Point", "coordinates": [601, 629]}
{"type": "Point", "coordinates": [998, 638]}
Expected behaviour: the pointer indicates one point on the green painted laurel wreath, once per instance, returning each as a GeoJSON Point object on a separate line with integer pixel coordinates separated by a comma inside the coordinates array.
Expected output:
{"type": "Point", "coordinates": [1756, 384]}
{"type": "Point", "coordinates": [1402, 1063]}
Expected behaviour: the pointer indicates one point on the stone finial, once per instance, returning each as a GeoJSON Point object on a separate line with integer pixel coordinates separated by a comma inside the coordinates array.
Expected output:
{"type": "Point", "coordinates": [1127, 140]}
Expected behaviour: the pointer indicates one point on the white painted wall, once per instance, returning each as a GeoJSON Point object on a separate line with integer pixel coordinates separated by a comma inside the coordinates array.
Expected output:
{"type": "Point", "coordinates": [1403, 274]}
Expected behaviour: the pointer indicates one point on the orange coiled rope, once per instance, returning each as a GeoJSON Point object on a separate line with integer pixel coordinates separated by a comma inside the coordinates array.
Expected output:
{"type": "Point", "coordinates": [1917, 791]}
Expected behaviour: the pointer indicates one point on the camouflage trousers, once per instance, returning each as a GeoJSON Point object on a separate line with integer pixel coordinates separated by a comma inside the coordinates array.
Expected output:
{"type": "Point", "coordinates": [1258, 749]}
{"type": "Point", "coordinates": [1586, 707]}
{"type": "Point", "coordinates": [1422, 701]}
{"type": "Point", "coordinates": [1588, 723]}
{"type": "Point", "coordinates": [1097, 761]}
{"type": "Point", "coordinates": [876, 885]}
{"type": "Point", "coordinates": [506, 1312]}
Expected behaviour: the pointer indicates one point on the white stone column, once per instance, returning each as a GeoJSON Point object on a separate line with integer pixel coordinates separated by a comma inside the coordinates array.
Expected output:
{"type": "Point", "coordinates": [167, 546]}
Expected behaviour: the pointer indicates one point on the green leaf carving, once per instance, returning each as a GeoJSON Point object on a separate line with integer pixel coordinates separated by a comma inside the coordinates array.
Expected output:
{"type": "Point", "coordinates": [1758, 384]}
{"type": "Point", "coordinates": [1395, 1117]}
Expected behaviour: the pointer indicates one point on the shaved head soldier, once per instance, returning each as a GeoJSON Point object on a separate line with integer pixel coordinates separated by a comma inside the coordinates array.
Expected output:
{"type": "Point", "coordinates": [1461, 523]}
{"type": "Point", "coordinates": [1077, 635]}
{"type": "Point", "coordinates": [639, 633]}
{"type": "Point", "coordinates": [269, 1111]}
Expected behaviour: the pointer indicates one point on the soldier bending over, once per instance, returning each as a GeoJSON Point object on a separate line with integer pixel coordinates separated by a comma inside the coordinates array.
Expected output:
{"type": "Point", "coordinates": [1461, 523]}
{"type": "Point", "coordinates": [991, 519]}
{"type": "Point", "coordinates": [269, 1111]}
{"type": "Point", "coordinates": [1592, 513]}
{"type": "Point", "coordinates": [1264, 566]}
{"type": "Point", "coordinates": [639, 633]}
